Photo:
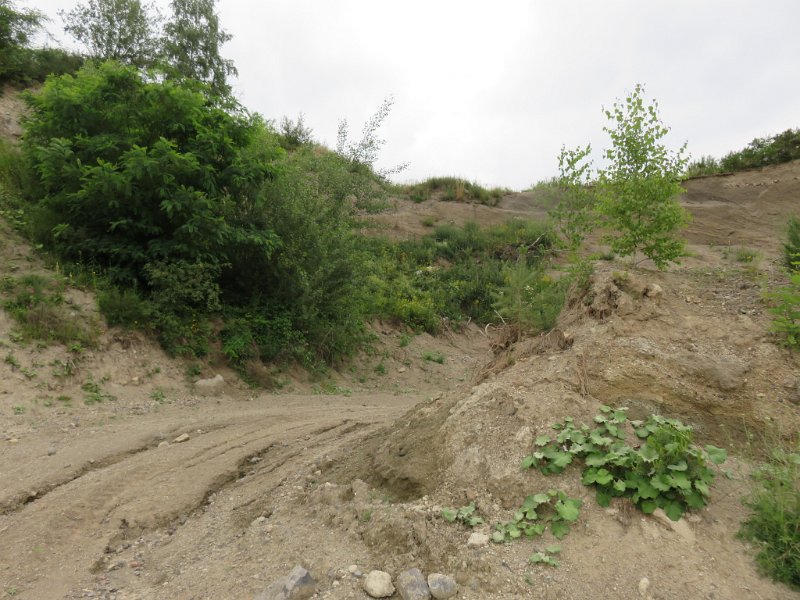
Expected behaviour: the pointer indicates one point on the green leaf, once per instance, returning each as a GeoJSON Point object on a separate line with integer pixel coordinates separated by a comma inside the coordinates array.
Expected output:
{"type": "Point", "coordinates": [498, 537]}
{"type": "Point", "coordinates": [542, 440]}
{"type": "Point", "coordinates": [661, 483]}
{"type": "Point", "coordinates": [554, 549]}
{"type": "Point", "coordinates": [695, 500]}
{"type": "Point", "coordinates": [716, 455]}
{"type": "Point", "coordinates": [673, 509]}
{"type": "Point", "coordinates": [702, 487]}
{"type": "Point", "coordinates": [449, 514]}
{"type": "Point", "coordinates": [679, 466]}
{"type": "Point", "coordinates": [559, 529]}
{"type": "Point", "coordinates": [569, 509]}
{"type": "Point", "coordinates": [619, 486]}
{"type": "Point", "coordinates": [680, 480]}
{"type": "Point", "coordinates": [596, 460]}
{"type": "Point", "coordinates": [529, 462]}
{"type": "Point", "coordinates": [603, 477]}
{"type": "Point", "coordinates": [603, 497]}
{"type": "Point", "coordinates": [648, 453]}
{"type": "Point", "coordinates": [648, 506]}
{"type": "Point", "coordinates": [540, 498]}
{"type": "Point", "coordinates": [535, 529]}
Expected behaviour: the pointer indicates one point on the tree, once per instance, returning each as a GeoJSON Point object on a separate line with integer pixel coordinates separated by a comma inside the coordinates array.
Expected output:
{"type": "Point", "coordinates": [573, 213]}
{"type": "Point", "coordinates": [16, 28]}
{"type": "Point", "coordinates": [639, 189]}
{"type": "Point", "coordinates": [192, 42]}
{"type": "Point", "coordinates": [122, 30]}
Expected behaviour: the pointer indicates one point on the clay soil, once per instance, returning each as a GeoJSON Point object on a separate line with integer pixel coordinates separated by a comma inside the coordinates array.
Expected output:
{"type": "Point", "coordinates": [101, 500]}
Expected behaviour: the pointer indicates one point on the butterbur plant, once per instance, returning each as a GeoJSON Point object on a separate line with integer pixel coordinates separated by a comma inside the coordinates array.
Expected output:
{"type": "Point", "coordinates": [553, 508]}
{"type": "Point", "coordinates": [466, 515]}
{"type": "Point", "coordinates": [664, 470]}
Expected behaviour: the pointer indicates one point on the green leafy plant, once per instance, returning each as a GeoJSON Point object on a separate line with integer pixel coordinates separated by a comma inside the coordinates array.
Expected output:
{"type": "Point", "coordinates": [436, 357]}
{"type": "Point", "coordinates": [774, 522]}
{"type": "Point", "coordinates": [553, 508]}
{"type": "Point", "coordinates": [665, 471]}
{"type": "Point", "coordinates": [574, 212]}
{"type": "Point", "coordinates": [546, 557]}
{"type": "Point", "coordinates": [93, 392]}
{"type": "Point", "coordinates": [638, 190]}
{"type": "Point", "coordinates": [466, 515]}
{"type": "Point", "coordinates": [791, 249]}
{"type": "Point", "coordinates": [785, 308]}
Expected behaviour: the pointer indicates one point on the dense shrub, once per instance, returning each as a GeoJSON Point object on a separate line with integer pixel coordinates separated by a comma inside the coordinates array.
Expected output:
{"type": "Point", "coordinates": [761, 152]}
{"type": "Point", "coordinates": [451, 189]}
{"type": "Point", "coordinates": [791, 249]}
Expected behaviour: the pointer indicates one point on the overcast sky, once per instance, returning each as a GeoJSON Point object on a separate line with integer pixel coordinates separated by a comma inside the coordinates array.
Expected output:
{"type": "Point", "coordinates": [491, 91]}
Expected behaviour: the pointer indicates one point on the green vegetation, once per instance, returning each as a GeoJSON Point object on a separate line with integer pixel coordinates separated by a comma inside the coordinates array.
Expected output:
{"type": "Point", "coordinates": [436, 357]}
{"type": "Point", "coordinates": [785, 307]}
{"type": "Point", "coordinates": [19, 63]}
{"type": "Point", "coordinates": [575, 201]}
{"type": "Point", "coordinates": [775, 519]}
{"type": "Point", "coordinates": [553, 508]}
{"type": "Point", "coordinates": [37, 304]}
{"type": "Point", "coordinates": [666, 471]}
{"type": "Point", "coordinates": [450, 189]}
{"type": "Point", "coordinates": [466, 515]}
{"type": "Point", "coordinates": [638, 190]}
{"type": "Point", "coordinates": [761, 152]}
{"type": "Point", "coordinates": [791, 249]}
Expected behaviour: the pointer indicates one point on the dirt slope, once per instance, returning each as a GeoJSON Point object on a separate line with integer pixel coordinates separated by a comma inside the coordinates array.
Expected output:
{"type": "Point", "coordinates": [100, 501]}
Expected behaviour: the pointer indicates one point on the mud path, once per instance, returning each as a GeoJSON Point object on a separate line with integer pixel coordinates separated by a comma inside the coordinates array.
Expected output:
{"type": "Point", "coordinates": [61, 513]}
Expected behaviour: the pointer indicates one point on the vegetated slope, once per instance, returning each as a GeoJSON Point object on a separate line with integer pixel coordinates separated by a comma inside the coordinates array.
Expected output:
{"type": "Point", "coordinates": [100, 499]}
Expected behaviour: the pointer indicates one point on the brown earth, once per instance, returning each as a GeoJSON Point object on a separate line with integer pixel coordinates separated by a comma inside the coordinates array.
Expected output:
{"type": "Point", "coordinates": [101, 500]}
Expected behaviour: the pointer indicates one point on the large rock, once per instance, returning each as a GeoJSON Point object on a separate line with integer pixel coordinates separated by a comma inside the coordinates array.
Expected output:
{"type": "Point", "coordinates": [442, 586]}
{"type": "Point", "coordinates": [297, 585]}
{"type": "Point", "coordinates": [412, 585]}
{"type": "Point", "coordinates": [208, 387]}
{"type": "Point", "coordinates": [378, 584]}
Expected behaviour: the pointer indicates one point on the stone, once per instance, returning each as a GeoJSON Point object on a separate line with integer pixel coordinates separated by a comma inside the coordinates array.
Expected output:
{"type": "Point", "coordinates": [297, 585]}
{"type": "Point", "coordinates": [163, 444]}
{"type": "Point", "coordinates": [51, 451]}
{"type": "Point", "coordinates": [412, 585]}
{"type": "Point", "coordinates": [184, 437]}
{"type": "Point", "coordinates": [478, 540]}
{"type": "Point", "coordinates": [644, 584]}
{"type": "Point", "coordinates": [209, 386]}
{"type": "Point", "coordinates": [681, 527]}
{"type": "Point", "coordinates": [653, 290]}
{"type": "Point", "coordinates": [378, 584]}
{"type": "Point", "coordinates": [442, 586]}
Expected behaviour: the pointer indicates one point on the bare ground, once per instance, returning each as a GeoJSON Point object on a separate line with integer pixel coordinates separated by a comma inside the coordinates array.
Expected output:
{"type": "Point", "coordinates": [100, 501]}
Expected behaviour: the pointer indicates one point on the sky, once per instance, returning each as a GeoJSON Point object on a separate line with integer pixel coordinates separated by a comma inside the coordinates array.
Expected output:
{"type": "Point", "coordinates": [491, 91]}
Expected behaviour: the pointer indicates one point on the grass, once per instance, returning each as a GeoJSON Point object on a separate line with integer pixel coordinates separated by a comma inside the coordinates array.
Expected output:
{"type": "Point", "coordinates": [37, 304]}
{"type": "Point", "coordinates": [452, 189]}
{"type": "Point", "coordinates": [436, 357]}
{"type": "Point", "coordinates": [774, 523]}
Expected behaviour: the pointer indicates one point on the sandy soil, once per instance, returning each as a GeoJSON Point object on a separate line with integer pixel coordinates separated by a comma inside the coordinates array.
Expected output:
{"type": "Point", "coordinates": [103, 501]}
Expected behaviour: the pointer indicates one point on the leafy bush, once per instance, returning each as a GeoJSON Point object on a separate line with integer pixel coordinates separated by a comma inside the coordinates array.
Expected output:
{"type": "Point", "coordinates": [638, 191]}
{"type": "Point", "coordinates": [666, 471]}
{"type": "Point", "coordinates": [786, 310]}
{"type": "Point", "coordinates": [775, 519]}
{"type": "Point", "coordinates": [574, 211]}
{"type": "Point", "coordinates": [529, 299]}
{"type": "Point", "coordinates": [791, 249]}
{"type": "Point", "coordinates": [706, 165]}
{"type": "Point", "coordinates": [772, 150]}
{"type": "Point", "coordinates": [451, 189]}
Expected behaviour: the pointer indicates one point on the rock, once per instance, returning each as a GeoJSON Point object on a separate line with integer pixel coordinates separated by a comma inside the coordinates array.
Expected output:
{"type": "Point", "coordinates": [442, 586]}
{"type": "Point", "coordinates": [297, 585]}
{"type": "Point", "coordinates": [354, 571]}
{"type": "Point", "coordinates": [681, 527]}
{"type": "Point", "coordinates": [163, 444]}
{"type": "Point", "coordinates": [653, 290]}
{"type": "Point", "coordinates": [412, 585]}
{"type": "Point", "coordinates": [184, 437]}
{"type": "Point", "coordinates": [478, 540]}
{"type": "Point", "coordinates": [378, 584]}
{"type": "Point", "coordinates": [644, 583]}
{"type": "Point", "coordinates": [210, 386]}
{"type": "Point", "coordinates": [51, 451]}
{"type": "Point", "coordinates": [725, 374]}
